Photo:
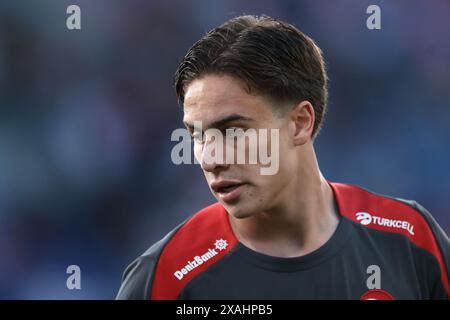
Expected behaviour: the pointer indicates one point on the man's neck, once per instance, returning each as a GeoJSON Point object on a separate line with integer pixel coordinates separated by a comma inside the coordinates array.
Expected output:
{"type": "Point", "coordinates": [301, 224]}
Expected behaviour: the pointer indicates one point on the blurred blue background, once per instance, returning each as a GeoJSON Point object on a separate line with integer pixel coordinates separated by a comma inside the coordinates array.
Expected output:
{"type": "Point", "coordinates": [86, 117]}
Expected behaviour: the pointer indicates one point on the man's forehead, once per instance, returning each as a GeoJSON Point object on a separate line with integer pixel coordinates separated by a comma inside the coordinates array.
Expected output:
{"type": "Point", "coordinates": [212, 97]}
{"type": "Point", "coordinates": [215, 91]}
{"type": "Point", "coordinates": [209, 111]}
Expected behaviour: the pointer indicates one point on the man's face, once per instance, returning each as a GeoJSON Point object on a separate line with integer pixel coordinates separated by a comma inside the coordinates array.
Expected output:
{"type": "Point", "coordinates": [221, 102]}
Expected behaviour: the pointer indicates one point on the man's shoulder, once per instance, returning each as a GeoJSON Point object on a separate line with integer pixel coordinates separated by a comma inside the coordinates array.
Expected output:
{"type": "Point", "coordinates": [196, 223]}
{"type": "Point", "coordinates": [386, 213]}
{"type": "Point", "coordinates": [167, 266]}
{"type": "Point", "coordinates": [393, 215]}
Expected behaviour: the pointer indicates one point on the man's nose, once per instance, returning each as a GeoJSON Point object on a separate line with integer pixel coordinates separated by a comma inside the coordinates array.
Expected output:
{"type": "Point", "coordinates": [213, 156]}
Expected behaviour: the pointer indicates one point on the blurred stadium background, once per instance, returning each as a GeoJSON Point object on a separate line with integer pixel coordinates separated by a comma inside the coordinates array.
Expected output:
{"type": "Point", "coordinates": [86, 118]}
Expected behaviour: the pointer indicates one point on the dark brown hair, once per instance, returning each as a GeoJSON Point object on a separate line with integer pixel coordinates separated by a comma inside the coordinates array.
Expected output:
{"type": "Point", "coordinates": [273, 58]}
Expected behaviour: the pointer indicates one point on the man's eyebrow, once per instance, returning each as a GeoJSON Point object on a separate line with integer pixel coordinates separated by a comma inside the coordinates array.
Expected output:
{"type": "Point", "coordinates": [221, 122]}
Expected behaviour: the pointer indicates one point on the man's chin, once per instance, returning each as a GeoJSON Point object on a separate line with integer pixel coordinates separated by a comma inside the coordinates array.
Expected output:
{"type": "Point", "coordinates": [238, 211]}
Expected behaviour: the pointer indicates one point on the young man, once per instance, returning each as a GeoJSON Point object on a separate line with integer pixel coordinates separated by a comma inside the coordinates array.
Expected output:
{"type": "Point", "coordinates": [293, 234]}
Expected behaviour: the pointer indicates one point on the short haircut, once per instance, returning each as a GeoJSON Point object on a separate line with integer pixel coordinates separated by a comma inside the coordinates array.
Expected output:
{"type": "Point", "coordinates": [273, 58]}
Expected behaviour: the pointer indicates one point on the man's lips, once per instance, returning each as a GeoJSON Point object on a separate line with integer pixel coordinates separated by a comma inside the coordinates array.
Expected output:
{"type": "Point", "coordinates": [227, 190]}
{"type": "Point", "coordinates": [225, 185]}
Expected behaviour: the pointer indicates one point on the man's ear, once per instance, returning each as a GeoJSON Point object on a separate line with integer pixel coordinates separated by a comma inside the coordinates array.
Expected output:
{"type": "Point", "coordinates": [302, 120]}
